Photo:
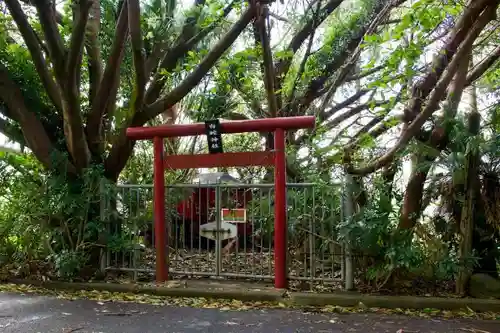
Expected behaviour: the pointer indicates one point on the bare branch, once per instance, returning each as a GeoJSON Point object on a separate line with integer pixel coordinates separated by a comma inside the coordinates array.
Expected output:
{"type": "Point", "coordinates": [374, 128]}
{"type": "Point", "coordinates": [353, 112]}
{"type": "Point", "coordinates": [376, 122]}
{"type": "Point", "coordinates": [31, 40]}
{"type": "Point", "coordinates": [356, 77]}
{"type": "Point", "coordinates": [279, 18]}
{"type": "Point", "coordinates": [341, 118]}
{"type": "Point", "coordinates": [327, 114]}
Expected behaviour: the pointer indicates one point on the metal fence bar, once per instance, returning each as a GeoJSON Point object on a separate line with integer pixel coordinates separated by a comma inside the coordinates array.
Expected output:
{"type": "Point", "coordinates": [218, 241]}
{"type": "Point", "coordinates": [229, 275]}
{"type": "Point", "coordinates": [312, 212]}
{"type": "Point", "coordinates": [230, 185]}
{"type": "Point", "coordinates": [102, 216]}
{"type": "Point", "coordinates": [348, 212]}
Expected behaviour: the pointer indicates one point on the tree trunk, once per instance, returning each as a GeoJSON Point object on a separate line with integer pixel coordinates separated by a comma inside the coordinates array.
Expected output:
{"type": "Point", "coordinates": [412, 202]}
{"type": "Point", "coordinates": [438, 140]}
{"type": "Point", "coordinates": [472, 195]}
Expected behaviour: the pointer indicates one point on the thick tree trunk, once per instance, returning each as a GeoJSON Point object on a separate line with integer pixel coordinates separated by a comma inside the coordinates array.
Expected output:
{"type": "Point", "coordinates": [468, 209]}
{"type": "Point", "coordinates": [412, 203]}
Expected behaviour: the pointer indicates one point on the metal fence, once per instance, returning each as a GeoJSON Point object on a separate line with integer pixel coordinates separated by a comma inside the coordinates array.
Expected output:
{"type": "Point", "coordinates": [225, 230]}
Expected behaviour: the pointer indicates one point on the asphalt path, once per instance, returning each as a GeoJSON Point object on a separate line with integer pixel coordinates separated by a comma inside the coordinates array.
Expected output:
{"type": "Point", "coordinates": [31, 314]}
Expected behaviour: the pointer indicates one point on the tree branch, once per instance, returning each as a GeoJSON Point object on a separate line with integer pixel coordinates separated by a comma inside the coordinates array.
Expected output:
{"type": "Point", "coordinates": [283, 65]}
{"type": "Point", "coordinates": [356, 77]}
{"type": "Point", "coordinates": [153, 59]}
{"type": "Point", "coordinates": [303, 63]}
{"type": "Point", "coordinates": [123, 146]}
{"type": "Point", "coordinates": [106, 91]}
{"type": "Point", "coordinates": [134, 21]}
{"type": "Point", "coordinates": [435, 97]}
{"type": "Point", "coordinates": [327, 114]}
{"type": "Point", "coordinates": [300, 37]}
{"type": "Point", "coordinates": [441, 60]}
{"type": "Point", "coordinates": [317, 85]}
{"type": "Point", "coordinates": [33, 130]}
{"type": "Point", "coordinates": [76, 43]}
{"type": "Point", "coordinates": [381, 128]}
{"type": "Point", "coordinates": [353, 112]}
{"type": "Point", "coordinates": [344, 116]}
{"type": "Point", "coordinates": [278, 17]}
{"type": "Point", "coordinates": [412, 202]}
{"type": "Point", "coordinates": [473, 75]}
{"type": "Point", "coordinates": [201, 70]}
{"type": "Point", "coordinates": [59, 16]}
{"type": "Point", "coordinates": [483, 66]}
{"type": "Point", "coordinates": [375, 133]}
{"type": "Point", "coordinates": [315, 88]}
{"type": "Point", "coordinates": [31, 40]}
{"type": "Point", "coordinates": [47, 15]}
{"type": "Point", "coordinates": [185, 43]}
{"type": "Point", "coordinates": [93, 49]}
{"type": "Point", "coordinates": [73, 122]}
{"type": "Point", "coordinates": [12, 132]}
{"type": "Point", "coordinates": [353, 58]}
{"type": "Point", "coordinates": [267, 57]}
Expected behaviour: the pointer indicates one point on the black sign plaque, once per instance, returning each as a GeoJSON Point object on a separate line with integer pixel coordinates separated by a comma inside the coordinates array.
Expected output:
{"type": "Point", "coordinates": [214, 136]}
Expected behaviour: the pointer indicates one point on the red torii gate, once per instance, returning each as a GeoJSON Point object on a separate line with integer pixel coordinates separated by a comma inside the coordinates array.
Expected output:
{"type": "Point", "coordinates": [275, 157]}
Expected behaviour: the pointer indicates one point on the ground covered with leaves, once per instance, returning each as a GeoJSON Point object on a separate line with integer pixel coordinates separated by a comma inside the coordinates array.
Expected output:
{"type": "Point", "coordinates": [236, 305]}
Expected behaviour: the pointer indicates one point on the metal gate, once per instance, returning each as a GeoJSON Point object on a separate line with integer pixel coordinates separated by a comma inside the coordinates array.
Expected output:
{"type": "Point", "coordinates": [224, 231]}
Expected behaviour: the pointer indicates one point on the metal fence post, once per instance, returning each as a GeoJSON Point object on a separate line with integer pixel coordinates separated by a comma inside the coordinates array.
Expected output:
{"type": "Point", "coordinates": [348, 212]}
{"type": "Point", "coordinates": [103, 258]}
{"type": "Point", "coordinates": [218, 227]}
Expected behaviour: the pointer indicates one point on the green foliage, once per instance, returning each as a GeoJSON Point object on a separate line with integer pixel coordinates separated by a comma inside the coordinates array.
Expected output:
{"type": "Point", "coordinates": [69, 263]}
{"type": "Point", "coordinates": [311, 211]}
{"type": "Point", "coordinates": [341, 29]}
{"type": "Point", "coordinates": [46, 217]}
{"type": "Point", "coordinates": [17, 60]}
{"type": "Point", "coordinates": [373, 234]}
